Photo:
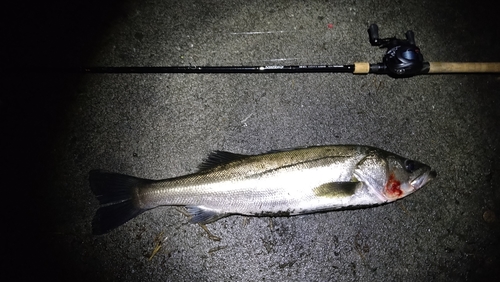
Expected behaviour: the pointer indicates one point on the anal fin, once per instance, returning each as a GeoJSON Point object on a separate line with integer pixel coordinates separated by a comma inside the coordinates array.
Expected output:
{"type": "Point", "coordinates": [203, 215]}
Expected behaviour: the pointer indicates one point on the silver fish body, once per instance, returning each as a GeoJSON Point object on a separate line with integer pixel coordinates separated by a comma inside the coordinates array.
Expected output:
{"type": "Point", "coordinates": [286, 182]}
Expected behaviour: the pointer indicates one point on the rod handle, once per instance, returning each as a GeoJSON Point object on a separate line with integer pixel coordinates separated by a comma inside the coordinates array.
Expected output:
{"type": "Point", "coordinates": [445, 67]}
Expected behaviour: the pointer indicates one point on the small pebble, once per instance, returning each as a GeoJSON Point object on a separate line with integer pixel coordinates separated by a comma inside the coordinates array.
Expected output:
{"type": "Point", "coordinates": [489, 216]}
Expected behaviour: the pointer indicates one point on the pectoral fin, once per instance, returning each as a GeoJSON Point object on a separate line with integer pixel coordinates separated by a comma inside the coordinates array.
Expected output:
{"type": "Point", "coordinates": [337, 189]}
{"type": "Point", "coordinates": [203, 215]}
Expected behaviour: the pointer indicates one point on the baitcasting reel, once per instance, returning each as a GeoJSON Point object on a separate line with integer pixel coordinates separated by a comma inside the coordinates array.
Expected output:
{"type": "Point", "coordinates": [402, 59]}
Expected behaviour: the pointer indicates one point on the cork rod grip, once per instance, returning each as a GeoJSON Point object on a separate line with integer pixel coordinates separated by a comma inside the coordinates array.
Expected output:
{"type": "Point", "coordinates": [361, 68]}
{"type": "Point", "coordinates": [442, 67]}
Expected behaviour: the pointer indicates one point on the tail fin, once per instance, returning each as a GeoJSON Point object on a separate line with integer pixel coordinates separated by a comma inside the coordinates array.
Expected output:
{"type": "Point", "coordinates": [115, 194]}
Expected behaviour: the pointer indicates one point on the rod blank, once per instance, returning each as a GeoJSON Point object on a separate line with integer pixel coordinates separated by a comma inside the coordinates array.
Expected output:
{"type": "Point", "coordinates": [215, 69]}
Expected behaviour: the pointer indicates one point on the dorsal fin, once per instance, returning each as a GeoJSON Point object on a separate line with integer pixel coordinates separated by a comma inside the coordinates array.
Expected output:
{"type": "Point", "coordinates": [286, 150]}
{"type": "Point", "coordinates": [217, 158]}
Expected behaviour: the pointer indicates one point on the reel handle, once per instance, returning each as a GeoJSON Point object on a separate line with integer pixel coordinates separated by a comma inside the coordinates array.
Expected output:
{"type": "Point", "coordinates": [373, 33]}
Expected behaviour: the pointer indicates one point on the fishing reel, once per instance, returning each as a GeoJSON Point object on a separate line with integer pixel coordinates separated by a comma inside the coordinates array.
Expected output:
{"type": "Point", "coordinates": [403, 57]}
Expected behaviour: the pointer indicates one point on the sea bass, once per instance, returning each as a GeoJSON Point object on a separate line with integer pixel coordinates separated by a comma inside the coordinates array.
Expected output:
{"type": "Point", "coordinates": [277, 183]}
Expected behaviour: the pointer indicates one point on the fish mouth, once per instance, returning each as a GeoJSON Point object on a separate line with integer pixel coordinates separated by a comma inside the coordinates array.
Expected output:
{"type": "Point", "coordinates": [423, 179]}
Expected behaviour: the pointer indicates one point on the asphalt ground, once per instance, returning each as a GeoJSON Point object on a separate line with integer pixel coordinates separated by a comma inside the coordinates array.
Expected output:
{"type": "Point", "coordinates": [57, 127]}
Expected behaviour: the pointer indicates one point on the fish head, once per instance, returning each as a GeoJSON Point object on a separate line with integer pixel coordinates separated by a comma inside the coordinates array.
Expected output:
{"type": "Point", "coordinates": [405, 176]}
{"type": "Point", "coordinates": [390, 177]}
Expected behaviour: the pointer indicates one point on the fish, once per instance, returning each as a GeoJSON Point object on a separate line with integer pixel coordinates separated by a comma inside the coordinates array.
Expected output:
{"type": "Point", "coordinates": [277, 183]}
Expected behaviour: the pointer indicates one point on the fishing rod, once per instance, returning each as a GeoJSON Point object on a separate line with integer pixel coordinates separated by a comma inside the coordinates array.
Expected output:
{"type": "Point", "coordinates": [402, 59]}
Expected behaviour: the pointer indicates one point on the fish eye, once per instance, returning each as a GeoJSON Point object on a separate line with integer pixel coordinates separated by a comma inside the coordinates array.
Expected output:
{"type": "Point", "coordinates": [410, 166]}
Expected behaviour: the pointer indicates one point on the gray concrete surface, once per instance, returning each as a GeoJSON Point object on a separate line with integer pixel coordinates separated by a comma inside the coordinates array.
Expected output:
{"type": "Point", "coordinates": [57, 127]}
